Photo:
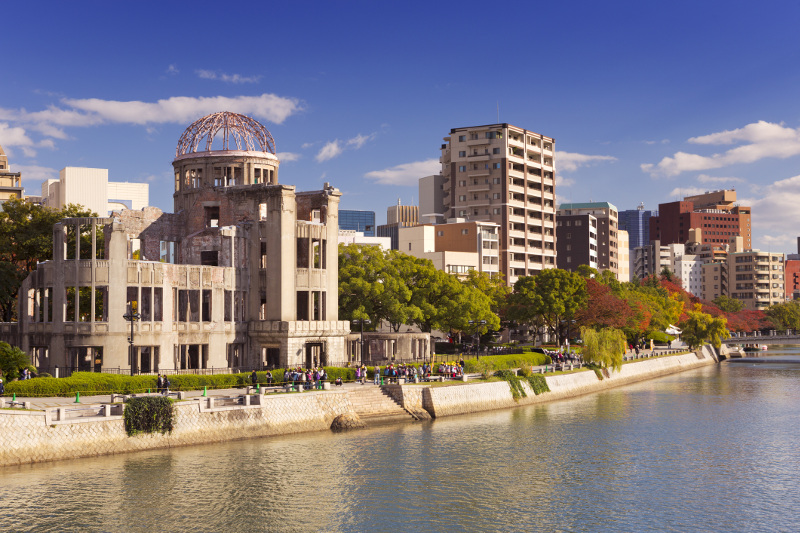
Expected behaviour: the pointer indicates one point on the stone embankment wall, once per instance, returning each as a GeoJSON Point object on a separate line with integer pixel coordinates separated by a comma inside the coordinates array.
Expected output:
{"type": "Point", "coordinates": [35, 436]}
{"type": "Point", "coordinates": [477, 397]}
{"type": "Point", "coordinates": [31, 437]}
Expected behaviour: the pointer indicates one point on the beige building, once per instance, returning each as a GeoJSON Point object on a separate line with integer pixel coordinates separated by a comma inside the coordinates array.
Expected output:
{"type": "Point", "coordinates": [456, 247]}
{"type": "Point", "coordinates": [624, 274]}
{"type": "Point", "coordinates": [504, 174]}
{"type": "Point", "coordinates": [756, 278]}
{"type": "Point", "coordinates": [243, 275]}
{"type": "Point", "coordinates": [10, 182]}
{"type": "Point", "coordinates": [90, 188]}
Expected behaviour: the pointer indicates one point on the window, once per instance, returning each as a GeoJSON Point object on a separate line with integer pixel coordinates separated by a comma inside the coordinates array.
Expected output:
{"type": "Point", "coordinates": [496, 211]}
{"type": "Point", "coordinates": [212, 216]}
{"type": "Point", "coordinates": [462, 168]}
{"type": "Point", "coordinates": [495, 151]}
{"type": "Point", "coordinates": [462, 138]}
{"type": "Point", "coordinates": [496, 165]}
{"type": "Point", "coordinates": [167, 254]}
{"type": "Point", "coordinates": [496, 196]}
{"type": "Point", "coordinates": [462, 153]}
{"type": "Point", "coordinates": [440, 233]}
{"type": "Point", "coordinates": [462, 198]}
{"type": "Point", "coordinates": [462, 183]}
{"type": "Point", "coordinates": [462, 213]}
{"type": "Point", "coordinates": [209, 258]}
{"type": "Point", "coordinates": [464, 232]}
{"type": "Point", "coordinates": [496, 181]}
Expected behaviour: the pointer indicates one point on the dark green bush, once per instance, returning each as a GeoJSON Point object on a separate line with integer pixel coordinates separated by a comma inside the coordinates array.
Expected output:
{"type": "Point", "coordinates": [149, 414]}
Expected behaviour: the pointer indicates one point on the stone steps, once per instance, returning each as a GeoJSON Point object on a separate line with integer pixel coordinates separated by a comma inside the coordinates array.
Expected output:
{"type": "Point", "coordinates": [372, 402]}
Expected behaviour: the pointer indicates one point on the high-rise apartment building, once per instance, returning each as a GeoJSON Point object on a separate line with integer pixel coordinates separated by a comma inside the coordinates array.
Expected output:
{"type": "Point", "coordinates": [716, 214]}
{"type": "Point", "coordinates": [10, 182]}
{"type": "Point", "coordinates": [504, 174]}
{"type": "Point", "coordinates": [607, 251]}
{"type": "Point", "coordinates": [756, 278]}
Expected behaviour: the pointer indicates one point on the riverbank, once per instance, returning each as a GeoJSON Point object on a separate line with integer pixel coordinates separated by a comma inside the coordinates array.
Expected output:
{"type": "Point", "coordinates": [52, 434]}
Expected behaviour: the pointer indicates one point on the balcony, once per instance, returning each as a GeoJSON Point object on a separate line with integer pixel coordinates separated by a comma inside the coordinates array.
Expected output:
{"type": "Point", "coordinates": [478, 157]}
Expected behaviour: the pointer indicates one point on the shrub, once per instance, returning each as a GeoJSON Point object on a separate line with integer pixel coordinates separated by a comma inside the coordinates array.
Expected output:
{"type": "Point", "coordinates": [149, 414]}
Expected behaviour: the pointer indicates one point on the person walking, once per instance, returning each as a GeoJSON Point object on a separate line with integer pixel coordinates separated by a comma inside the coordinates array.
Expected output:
{"type": "Point", "coordinates": [166, 385]}
{"type": "Point", "coordinates": [160, 384]}
{"type": "Point", "coordinates": [377, 376]}
{"type": "Point", "coordinates": [254, 378]}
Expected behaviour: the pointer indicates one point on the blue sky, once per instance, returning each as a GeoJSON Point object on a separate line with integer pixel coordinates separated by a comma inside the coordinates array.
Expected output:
{"type": "Point", "coordinates": [647, 101]}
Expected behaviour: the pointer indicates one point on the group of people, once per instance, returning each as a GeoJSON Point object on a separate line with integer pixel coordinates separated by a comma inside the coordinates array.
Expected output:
{"type": "Point", "coordinates": [310, 378]}
{"type": "Point", "coordinates": [162, 384]}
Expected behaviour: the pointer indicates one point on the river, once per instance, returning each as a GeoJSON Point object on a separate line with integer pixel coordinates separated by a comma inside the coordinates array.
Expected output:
{"type": "Point", "coordinates": [714, 449]}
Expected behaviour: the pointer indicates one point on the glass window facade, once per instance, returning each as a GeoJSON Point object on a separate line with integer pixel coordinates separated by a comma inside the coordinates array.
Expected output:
{"type": "Point", "coordinates": [363, 221]}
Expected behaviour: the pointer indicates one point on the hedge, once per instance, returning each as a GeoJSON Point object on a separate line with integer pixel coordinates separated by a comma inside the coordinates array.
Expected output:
{"type": "Point", "coordinates": [99, 383]}
{"type": "Point", "coordinates": [493, 363]}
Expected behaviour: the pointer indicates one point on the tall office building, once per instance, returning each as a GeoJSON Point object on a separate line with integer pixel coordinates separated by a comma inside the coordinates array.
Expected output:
{"type": "Point", "coordinates": [398, 216]}
{"type": "Point", "coordinates": [716, 214]}
{"type": "Point", "coordinates": [362, 221]}
{"type": "Point", "coordinates": [504, 174]}
{"type": "Point", "coordinates": [637, 223]}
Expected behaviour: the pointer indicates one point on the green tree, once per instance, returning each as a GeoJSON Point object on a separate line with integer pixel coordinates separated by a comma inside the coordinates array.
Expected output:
{"type": "Point", "coordinates": [785, 315]}
{"type": "Point", "coordinates": [700, 327]}
{"type": "Point", "coordinates": [605, 347]}
{"type": "Point", "coordinates": [727, 304]}
{"type": "Point", "coordinates": [12, 360]}
{"type": "Point", "coordinates": [551, 299]}
{"type": "Point", "coordinates": [26, 238]}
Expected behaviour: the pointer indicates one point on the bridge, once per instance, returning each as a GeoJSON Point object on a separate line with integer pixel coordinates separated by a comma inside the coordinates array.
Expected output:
{"type": "Point", "coordinates": [758, 337]}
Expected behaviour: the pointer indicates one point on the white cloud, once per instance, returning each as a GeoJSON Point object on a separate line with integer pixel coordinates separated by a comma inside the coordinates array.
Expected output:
{"type": "Point", "coordinates": [762, 140]}
{"type": "Point", "coordinates": [687, 191]}
{"type": "Point", "coordinates": [360, 140]}
{"type": "Point", "coordinates": [561, 181]}
{"type": "Point", "coordinates": [570, 161]}
{"type": "Point", "coordinates": [287, 157]}
{"type": "Point", "coordinates": [227, 78]}
{"type": "Point", "coordinates": [178, 109]}
{"type": "Point", "coordinates": [775, 210]}
{"type": "Point", "coordinates": [172, 69]}
{"type": "Point", "coordinates": [407, 173]}
{"type": "Point", "coordinates": [705, 178]}
{"type": "Point", "coordinates": [306, 145]}
{"type": "Point", "coordinates": [13, 136]}
{"type": "Point", "coordinates": [329, 151]}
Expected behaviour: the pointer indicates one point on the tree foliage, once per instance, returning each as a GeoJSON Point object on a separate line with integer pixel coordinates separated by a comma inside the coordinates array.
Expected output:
{"type": "Point", "coordinates": [550, 299]}
{"type": "Point", "coordinates": [785, 315]}
{"type": "Point", "coordinates": [26, 238]}
{"type": "Point", "coordinates": [400, 289]}
{"type": "Point", "coordinates": [12, 360]}
{"type": "Point", "coordinates": [700, 327]}
{"type": "Point", "coordinates": [605, 347]}
{"type": "Point", "coordinates": [728, 304]}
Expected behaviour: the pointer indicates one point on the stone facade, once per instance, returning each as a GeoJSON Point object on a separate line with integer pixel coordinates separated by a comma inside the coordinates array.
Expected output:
{"type": "Point", "coordinates": [243, 275]}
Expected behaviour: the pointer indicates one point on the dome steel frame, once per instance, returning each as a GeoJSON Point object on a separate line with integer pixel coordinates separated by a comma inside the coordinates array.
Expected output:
{"type": "Point", "coordinates": [247, 134]}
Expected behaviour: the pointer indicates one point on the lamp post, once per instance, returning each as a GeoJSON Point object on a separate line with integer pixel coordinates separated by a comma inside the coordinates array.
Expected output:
{"type": "Point", "coordinates": [131, 317]}
{"type": "Point", "coordinates": [362, 321]}
{"type": "Point", "coordinates": [476, 337]}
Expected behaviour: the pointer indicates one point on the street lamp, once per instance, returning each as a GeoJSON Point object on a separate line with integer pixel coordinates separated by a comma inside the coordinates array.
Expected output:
{"type": "Point", "coordinates": [131, 317]}
{"type": "Point", "coordinates": [476, 337]}
{"type": "Point", "coordinates": [362, 321]}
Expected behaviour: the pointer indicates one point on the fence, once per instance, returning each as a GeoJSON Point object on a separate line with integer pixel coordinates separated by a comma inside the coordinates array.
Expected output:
{"type": "Point", "coordinates": [66, 371]}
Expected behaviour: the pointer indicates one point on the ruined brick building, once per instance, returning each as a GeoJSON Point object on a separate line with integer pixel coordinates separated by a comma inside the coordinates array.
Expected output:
{"type": "Point", "coordinates": [243, 273]}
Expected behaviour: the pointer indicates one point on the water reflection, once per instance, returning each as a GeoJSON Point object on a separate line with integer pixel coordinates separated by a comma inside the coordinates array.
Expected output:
{"type": "Point", "coordinates": [707, 450]}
